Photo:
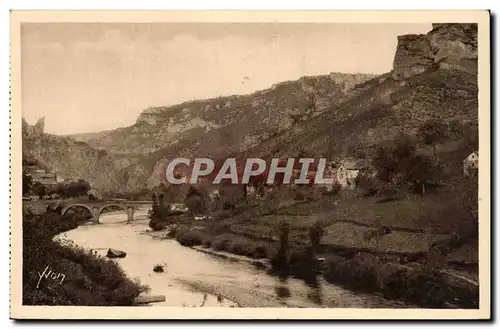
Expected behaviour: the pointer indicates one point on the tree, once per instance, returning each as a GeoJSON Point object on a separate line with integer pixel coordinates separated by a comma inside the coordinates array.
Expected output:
{"type": "Point", "coordinates": [27, 181]}
{"type": "Point", "coordinates": [195, 201]}
{"type": "Point", "coordinates": [39, 189]}
{"type": "Point", "coordinates": [73, 189]}
{"type": "Point", "coordinates": [397, 163]}
{"type": "Point", "coordinates": [471, 138]}
{"type": "Point", "coordinates": [432, 132]}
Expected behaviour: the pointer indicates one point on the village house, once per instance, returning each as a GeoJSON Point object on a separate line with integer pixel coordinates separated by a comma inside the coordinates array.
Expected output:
{"type": "Point", "coordinates": [329, 172]}
{"type": "Point", "coordinates": [60, 179]}
{"type": "Point", "coordinates": [348, 171]}
{"type": "Point", "coordinates": [43, 177]}
{"type": "Point", "coordinates": [250, 190]}
{"type": "Point", "coordinates": [214, 195]}
{"type": "Point", "coordinates": [471, 163]}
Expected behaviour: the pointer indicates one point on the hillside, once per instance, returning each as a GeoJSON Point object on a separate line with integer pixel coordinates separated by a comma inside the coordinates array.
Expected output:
{"type": "Point", "coordinates": [69, 158]}
{"type": "Point", "coordinates": [434, 78]}
{"type": "Point", "coordinates": [236, 121]}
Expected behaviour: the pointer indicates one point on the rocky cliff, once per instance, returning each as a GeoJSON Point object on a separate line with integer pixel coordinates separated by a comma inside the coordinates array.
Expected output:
{"type": "Point", "coordinates": [448, 46]}
{"type": "Point", "coordinates": [69, 158]}
{"type": "Point", "coordinates": [454, 46]}
{"type": "Point", "coordinates": [413, 56]}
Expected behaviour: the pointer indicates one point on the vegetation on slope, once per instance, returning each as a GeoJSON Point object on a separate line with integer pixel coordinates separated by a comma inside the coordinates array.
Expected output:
{"type": "Point", "coordinates": [81, 278]}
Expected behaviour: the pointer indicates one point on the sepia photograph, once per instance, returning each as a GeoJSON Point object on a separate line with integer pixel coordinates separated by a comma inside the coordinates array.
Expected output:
{"type": "Point", "coordinates": [265, 165]}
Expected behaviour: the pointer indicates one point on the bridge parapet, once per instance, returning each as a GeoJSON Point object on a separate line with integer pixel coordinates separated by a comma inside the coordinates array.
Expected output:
{"type": "Point", "coordinates": [95, 207]}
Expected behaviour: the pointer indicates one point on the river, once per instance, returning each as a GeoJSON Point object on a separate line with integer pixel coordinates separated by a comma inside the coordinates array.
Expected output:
{"type": "Point", "coordinates": [193, 278]}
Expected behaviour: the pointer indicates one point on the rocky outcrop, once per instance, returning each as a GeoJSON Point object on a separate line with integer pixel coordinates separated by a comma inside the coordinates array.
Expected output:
{"type": "Point", "coordinates": [69, 158]}
{"type": "Point", "coordinates": [349, 81]}
{"type": "Point", "coordinates": [39, 126]}
{"type": "Point", "coordinates": [413, 56]}
{"type": "Point", "coordinates": [454, 46]}
{"type": "Point", "coordinates": [115, 253]}
{"type": "Point", "coordinates": [149, 118]}
{"type": "Point", "coordinates": [37, 129]}
{"type": "Point", "coordinates": [451, 46]}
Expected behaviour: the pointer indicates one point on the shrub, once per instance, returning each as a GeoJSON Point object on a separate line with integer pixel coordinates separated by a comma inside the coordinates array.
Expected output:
{"type": "Point", "coordinates": [178, 230]}
{"type": "Point", "coordinates": [301, 263]}
{"type": "Point", "coordinates": [192, 238]}
{"type": "Point", "coordinates": [260, 251]}
{"type": "Point", "coordinates": [421, 285]}
{"type": "Point", "coordinates": [222, 242]}
{"type": "Point", "coordinates": [356, 273]}
{"type": "Point", "coordinates": [222, 214]}
{"type": "Point", "coordinates": [240, 245]}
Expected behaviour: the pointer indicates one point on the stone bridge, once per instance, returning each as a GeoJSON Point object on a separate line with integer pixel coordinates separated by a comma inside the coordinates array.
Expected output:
{"type": "Point", "coordinates": [94, 207]}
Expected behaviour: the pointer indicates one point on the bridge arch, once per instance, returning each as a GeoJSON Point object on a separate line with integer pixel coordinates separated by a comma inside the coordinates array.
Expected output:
{"type": "Point", "coordinates": [121, 206]}
{"type": "Point", "coordinates": [65, 209]}
{"type": "Point", "coordinates": [129, 209]}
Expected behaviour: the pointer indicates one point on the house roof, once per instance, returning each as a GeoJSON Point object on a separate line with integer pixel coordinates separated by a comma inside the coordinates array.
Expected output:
{"type": "Point", "coordinates": [467, 157]}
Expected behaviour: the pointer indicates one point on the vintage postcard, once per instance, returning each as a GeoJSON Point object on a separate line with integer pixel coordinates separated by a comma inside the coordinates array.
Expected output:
{"type": "Point", "coordinates": [250, 165]}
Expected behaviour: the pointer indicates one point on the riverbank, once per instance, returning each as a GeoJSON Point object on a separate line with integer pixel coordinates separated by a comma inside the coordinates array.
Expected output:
{"type": "Point", "coordinates": [400, 262]}
{"type": "Point", "coordinates": [62, 273]}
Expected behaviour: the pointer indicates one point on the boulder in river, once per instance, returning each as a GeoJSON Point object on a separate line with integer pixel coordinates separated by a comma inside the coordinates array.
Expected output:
{"type": "Point", "coordinates": [115, 253]}
{"type": "Point", "coordinates": [158, 269]}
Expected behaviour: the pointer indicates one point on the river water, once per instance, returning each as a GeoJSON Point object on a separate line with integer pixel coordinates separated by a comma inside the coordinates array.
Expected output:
{"type": "Point", "coordinates": [193, 278]}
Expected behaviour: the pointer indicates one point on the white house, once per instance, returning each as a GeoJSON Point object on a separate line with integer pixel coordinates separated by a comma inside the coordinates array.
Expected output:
{"type": "Point", "coordinates": [471, 163]}
{"type": "Point", "coordinates": [214, 195]}
{"type": "Point", "coordinates": [347, 172]}
{"type": "Point", "coordinates": [250, 190]}
{"type": "Point", "coordinates": [59, 178]}
{"type": "Point", "coordinates": [330, 171]}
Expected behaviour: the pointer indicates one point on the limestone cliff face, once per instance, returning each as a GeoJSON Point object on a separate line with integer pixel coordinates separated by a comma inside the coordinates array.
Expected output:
{"type": "Point", "coordinates": [450, 46]}
{"type": "Point", "coordinates": [454, 46]}
{"type": "Point", "coordinates": [413, 56]}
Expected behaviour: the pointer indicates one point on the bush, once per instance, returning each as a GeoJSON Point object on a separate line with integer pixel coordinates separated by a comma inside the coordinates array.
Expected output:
{"type": "Point", "coordinates": [240, 246]}
{"type": "Point", "coordinates": [421, 285]}
{"type": "Point", "coordinates": [398, 164]}
{"type": "Point", "coordinates": [177, 230]}
{"type": "Point", "coordinates": [222, 214]}
{"type": "Point", "coordinates": [356, 273]}
{"type": "Point", "coordinates": [192, 238]}
{"type": "Point", "coordinates": [221, 242]}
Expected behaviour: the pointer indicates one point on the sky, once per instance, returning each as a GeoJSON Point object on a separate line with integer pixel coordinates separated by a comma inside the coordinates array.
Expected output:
{"type": "Point", "coordinates": [88, 77]}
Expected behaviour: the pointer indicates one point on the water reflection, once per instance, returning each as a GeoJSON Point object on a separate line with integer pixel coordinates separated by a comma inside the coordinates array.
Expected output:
{"type": "Point", "coordinates": [282, 290]}
{"type": "Point", "coordinates": [315, 293]}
